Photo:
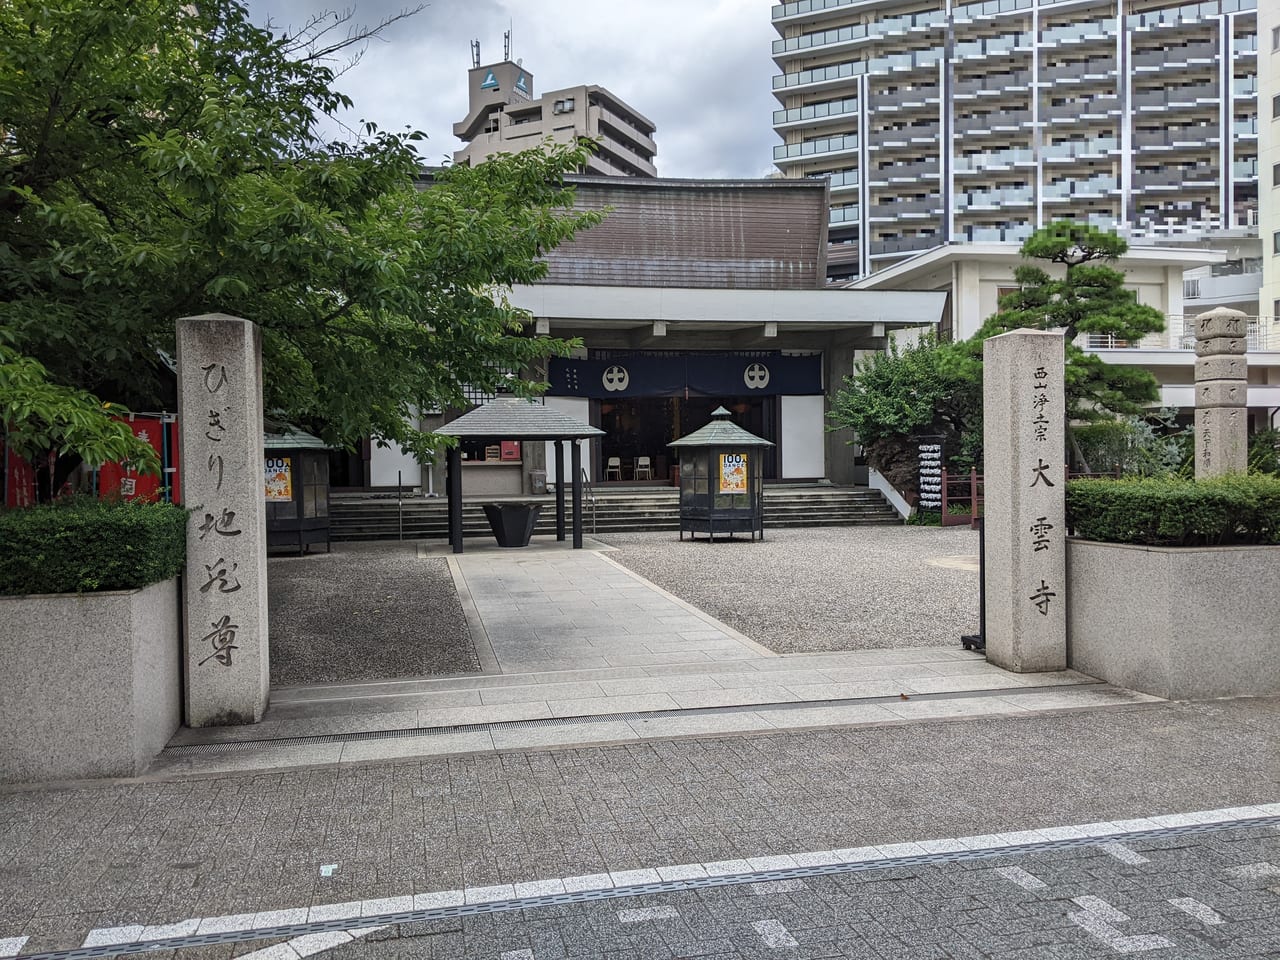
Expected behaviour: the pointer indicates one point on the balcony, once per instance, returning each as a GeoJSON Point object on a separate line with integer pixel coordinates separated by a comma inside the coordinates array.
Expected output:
{"type": "Point", "coordinates": [783, 12]}
{"type": "Point", "coordinates": [1187, 15]}
{"type": "Point", "coordinates": [1212, 291]}
{"type": "Point", "coordinates": [838, 215]}
{"type": "Point", "coordinates": [1204, 52]}
{"type": "Point", "coordinates": [816, 113]}
{"type": "Point", "coordinates": [828, 40]}
{"type": "Point", "coordinates": [1093, 149]}
{"type": "Point", "coordinates": [988, 200]}
{"type": "Point", "coordinates": [995, 160]}
{"type": "Point", "coordinates": [992, 85]}
{"type": "Point", "coordinates": [1015, 234]}
{"type": "Point", "coordinates": [984, 11]}
{"type": "Point", "coordinates": [892, 210]}
{"type": "Point", "coordinates": [1170, 138]}
{"type": "Point", "coordinates": [888, 102]}
{"type": "Point", "coordinates": [914, 135]}
{"type": "Point", "coordinates": [1090, 188]}
{"type": "Point", "coordinates": [901, 245]}
{"type": "Point", "coordinates": [1244, 169]}
{"type": "Point", "coordinates": [1000, 121]}
{"type": "Point", "coordinates": [1162, 98]}
{"type": "Point", "coordinates": [1076, 72]}
{"type": "Point", "coordinates": [1001, 46]}
{"type": "Point", "coordinates": [1072, 34]}
{"type": "Point", "coordinates": [1262, 335]}
{"type": "Point", "coordinates": [1103, 107]}
{"type": "Point", "coordinates": [823, 147]}
{"type": "Point", "coordinates": [904, 173]}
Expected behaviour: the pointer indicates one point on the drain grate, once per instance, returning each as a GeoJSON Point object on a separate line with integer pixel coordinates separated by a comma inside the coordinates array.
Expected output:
{"type": "Point", "coordinates": [637, 890]}
{"type": "Point", "coordinates": [237, 746]}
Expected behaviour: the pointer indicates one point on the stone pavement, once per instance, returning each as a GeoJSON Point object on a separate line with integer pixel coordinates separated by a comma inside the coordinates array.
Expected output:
{"type": "Point", "coordinates": [414, 842]}
{"type": "Point", "coordinates": [579, 650]}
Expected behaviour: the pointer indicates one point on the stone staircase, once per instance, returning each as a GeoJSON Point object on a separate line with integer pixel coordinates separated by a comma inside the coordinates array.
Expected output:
{"type": "Point", "coordinates": [362, 517]}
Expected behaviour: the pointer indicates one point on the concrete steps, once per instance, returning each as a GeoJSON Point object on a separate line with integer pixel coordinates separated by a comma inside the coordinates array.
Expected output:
{"type": "Point", "coordinates": [647, 509]}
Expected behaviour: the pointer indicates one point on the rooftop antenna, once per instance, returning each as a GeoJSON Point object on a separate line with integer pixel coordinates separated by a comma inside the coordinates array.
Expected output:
{"type": "Point", "coordinates": [506, 45]}
{"type": "Point", "coordinates": [475, 54]}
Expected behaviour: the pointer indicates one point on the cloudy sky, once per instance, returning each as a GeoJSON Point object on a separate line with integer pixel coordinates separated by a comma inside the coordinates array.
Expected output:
{"type": "Point", "coordinates": [700, 69]}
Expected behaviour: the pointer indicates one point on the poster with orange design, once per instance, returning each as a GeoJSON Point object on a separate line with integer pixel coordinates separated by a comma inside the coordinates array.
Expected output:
{"type": "Point", "coordinates": [279, 479]}
{"type": "Point", "coordinates": [733, 473]}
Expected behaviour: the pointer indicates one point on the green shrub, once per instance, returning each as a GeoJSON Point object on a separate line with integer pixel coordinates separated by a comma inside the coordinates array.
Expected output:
{"type": "Point", "coordinates": [84, 545]}
{"type": "Point", "coordinates": [1165, 511]}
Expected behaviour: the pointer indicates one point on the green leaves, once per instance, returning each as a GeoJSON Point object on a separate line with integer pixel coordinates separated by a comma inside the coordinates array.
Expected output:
{"type": "Point", "coordinates": [1175, 512]}
{"type": "Point", "coordinates": [41, 416]}
{"type": "Point", "coordinates": [163, 159]}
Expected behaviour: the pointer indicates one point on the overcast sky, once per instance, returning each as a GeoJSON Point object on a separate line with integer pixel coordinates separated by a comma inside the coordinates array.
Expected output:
{"type": "Point", "coordinates": [699, 69]}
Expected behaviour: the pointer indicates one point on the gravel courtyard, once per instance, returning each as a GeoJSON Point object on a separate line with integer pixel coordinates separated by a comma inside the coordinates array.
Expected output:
{"type": "Point", "coordinates": [369, 611]}
{"type": "Point", "coordinates": [818, 589]}
{"type": "Point", "coordinates": [376, 611]}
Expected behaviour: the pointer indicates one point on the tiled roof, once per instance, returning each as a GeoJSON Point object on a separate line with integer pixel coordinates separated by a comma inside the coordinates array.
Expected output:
{"type": "Point", "coordinates": [514, 418]}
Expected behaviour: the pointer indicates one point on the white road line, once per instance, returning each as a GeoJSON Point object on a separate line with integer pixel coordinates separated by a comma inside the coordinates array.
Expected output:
{"type": "Point", "coordinates": [1123, 854]}
{"type": "Point", "coordinates": [1023, 879]}
{"type": "Point", "coordinates": [641, 914]}
{"type": "Point", "coordinates": [774, 935]}
{"type": "Point", "coordinates": [308, 944]}
{"type": "Point", "coordinates": [869, 855]}
{"type": "Point", "coordinates": [1097, 919]}
{"type": "Point", "coordinates": [10, 946]}
{"type": "Point", "coordinates": [1200, 911]}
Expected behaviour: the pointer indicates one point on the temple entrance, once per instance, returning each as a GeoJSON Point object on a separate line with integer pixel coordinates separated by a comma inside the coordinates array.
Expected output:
{"type": "Point", "coordinates": [640, 427]}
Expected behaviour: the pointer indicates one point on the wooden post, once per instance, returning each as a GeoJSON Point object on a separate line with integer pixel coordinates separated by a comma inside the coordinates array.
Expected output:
{"type": "Point", "coordinates": [560, 490]}
{"type": "Point", "coordinates": [453, 482]}
{"type": "Point", "coordinates": [576, 454]}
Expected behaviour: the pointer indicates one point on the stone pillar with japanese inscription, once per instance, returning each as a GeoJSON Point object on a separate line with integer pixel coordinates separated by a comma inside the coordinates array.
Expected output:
{"type": "Point", "coordinates": [1222, 393]}
{"type": "Point", "coordinates": [1024, 418]}
{"type": "Point", "coordinates": [220, 425]}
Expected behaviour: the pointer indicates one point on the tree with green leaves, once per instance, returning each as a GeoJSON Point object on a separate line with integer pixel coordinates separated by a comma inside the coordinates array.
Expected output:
{"type": "Point", "coordinates": [162, 159]}
{"type": "Point", "coordinates": [1082, 295]}
{"type": "Point", "coordinates": [907, 391]}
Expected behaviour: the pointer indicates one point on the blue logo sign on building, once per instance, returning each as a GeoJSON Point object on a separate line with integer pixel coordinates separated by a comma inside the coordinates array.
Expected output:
{"type": "Point", "coordinates": [521, 84]}
{"type": "Point", "coordinates": [490, 82]}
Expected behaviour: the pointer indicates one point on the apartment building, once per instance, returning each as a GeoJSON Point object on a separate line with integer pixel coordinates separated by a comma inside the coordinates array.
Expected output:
{"type": "Point", "coordinates": [1269, 158]}
{"type": "Point", "coordinates": [939, 121]}
{"type": "Point", "coordinates": [504, 116]}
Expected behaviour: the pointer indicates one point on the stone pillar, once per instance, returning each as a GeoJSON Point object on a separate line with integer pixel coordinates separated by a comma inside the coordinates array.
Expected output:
{"type": "Point", "coordinates": [1222, 393]}
{"type": "Point", "coordinates": [220, 425]}
{"type": "Point", "coordinates": [1024, 417]}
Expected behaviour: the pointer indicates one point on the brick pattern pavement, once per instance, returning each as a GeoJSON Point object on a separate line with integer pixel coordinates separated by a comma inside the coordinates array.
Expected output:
{"type": "Point", "coordinates": [75, 860]}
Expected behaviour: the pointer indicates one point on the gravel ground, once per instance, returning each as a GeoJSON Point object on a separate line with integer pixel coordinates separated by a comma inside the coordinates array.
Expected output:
{"type": "Point", "coordinates": [364, 612]}
{"type": "Point", "coordinates": [818, 589]}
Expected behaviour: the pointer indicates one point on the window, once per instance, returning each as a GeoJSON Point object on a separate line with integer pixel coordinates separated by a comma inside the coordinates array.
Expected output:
{"type": "Point", "coordinates": [1275, 39]}
{"type": "Point", "coordinates": [1275, 108]}
{"type": "Point", "coordinates": [1275, 174]}
{"type": "Point", "coordinates": [1275, 242]}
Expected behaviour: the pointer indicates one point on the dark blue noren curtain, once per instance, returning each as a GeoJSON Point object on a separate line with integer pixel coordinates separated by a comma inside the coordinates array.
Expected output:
{"type": "Point", "coordinates": [713, 375]}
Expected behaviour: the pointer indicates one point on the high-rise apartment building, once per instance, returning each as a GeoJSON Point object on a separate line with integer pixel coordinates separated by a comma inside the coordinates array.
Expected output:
{"type": "Point", "coordinates": [1269, 158]}
{"type": "Point", "coordinates": [503, 116]}
{"type": "Point", "coordinates": [940, 121]}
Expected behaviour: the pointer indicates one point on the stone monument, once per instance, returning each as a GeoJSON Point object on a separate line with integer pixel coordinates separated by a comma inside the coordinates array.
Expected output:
{"type": "Point", "coordinates": [220, 422]}
{"type": "Point", "coordinates": [1222, 393]}
{"type": "Point", "coordinates": [1024, 416]}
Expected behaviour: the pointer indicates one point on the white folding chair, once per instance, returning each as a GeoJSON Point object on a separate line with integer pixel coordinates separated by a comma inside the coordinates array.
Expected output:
{"type": "Point", "coordinates": [613, 468]}
{"type": "Point", "coordinates": [644, 468]}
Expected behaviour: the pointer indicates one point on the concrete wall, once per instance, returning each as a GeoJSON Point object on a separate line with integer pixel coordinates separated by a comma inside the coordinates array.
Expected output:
{"type": "Point", "coordinates": [1183, 623]}
{"type": "Point", "coordinates": [90, 684]}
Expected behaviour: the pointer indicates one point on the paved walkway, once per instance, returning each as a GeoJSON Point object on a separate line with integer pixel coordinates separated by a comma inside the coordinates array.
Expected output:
{"type": "Point", "coordinates": [550, 609]}
{"type": "Point", "coordinates": [579, 650]}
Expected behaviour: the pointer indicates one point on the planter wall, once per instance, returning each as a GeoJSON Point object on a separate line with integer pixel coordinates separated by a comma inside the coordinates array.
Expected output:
{"type": "Point", "coordinates": [90, 684]}
{"type": "Point", "coordinates": [1183, 623]}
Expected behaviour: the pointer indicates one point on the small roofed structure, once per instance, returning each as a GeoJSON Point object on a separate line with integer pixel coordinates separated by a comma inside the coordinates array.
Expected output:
{"type": "Point", "coordinates": [721, 482]}
{"type": "Point", "coordinates": [516, 418]}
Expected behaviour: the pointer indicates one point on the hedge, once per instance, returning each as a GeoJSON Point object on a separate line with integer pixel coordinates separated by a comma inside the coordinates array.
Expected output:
{"type": "Point", "coordinates": [84, 545]}
{"type": "Point", "coordinates": [1159, 511]}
